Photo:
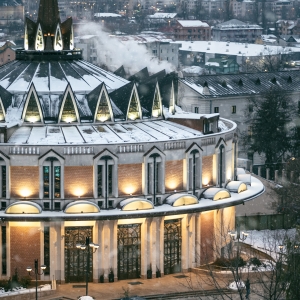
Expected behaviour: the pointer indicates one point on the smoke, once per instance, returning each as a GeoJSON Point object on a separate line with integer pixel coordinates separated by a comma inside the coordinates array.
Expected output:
{"type": "Point", "coordinates": [113, 52]}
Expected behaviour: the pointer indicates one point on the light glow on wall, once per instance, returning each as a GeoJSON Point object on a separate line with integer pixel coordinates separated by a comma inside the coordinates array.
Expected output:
{"type": "Point", "coordinates": [78, 191]}
{"type": "Point", "coordinates": [172, 184]}
{"type": "Point", "coordinates": [205, 181]}
{"type": "Point", "coordinates": [25, 192]}
{"type": "Point", "coordinates": [133, 115]}
{"type": "Point", "coordinates": [33, 119]}
{"type": "Point", "coordinates": [129, 189]}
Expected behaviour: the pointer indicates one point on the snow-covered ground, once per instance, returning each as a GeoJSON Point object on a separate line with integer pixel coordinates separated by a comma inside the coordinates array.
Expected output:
{"type": "Point", "coordinates": [269, 241]}
{"type": "Point", "coordinates": [21, 290]}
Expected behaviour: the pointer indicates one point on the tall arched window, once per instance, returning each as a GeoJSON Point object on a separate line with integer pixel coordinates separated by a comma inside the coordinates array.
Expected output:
{"type": "Point", "coordinates": [4, 177]}
{"type": "Point", "coordinates": [194, 172]}
{"type": "Point", "coordinates": [154, 179]}
{"type": "Point", "coordinates": [52, 179]}
{"type": "Point", "coordinates": [221, 165]}
{"type": "Point", "coordinates": [106, 185]}
{"type": "Point", "coordinates": [51, 167]}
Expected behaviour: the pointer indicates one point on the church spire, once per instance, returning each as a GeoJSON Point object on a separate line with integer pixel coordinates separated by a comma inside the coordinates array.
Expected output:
{"type": "Point", "coordinates": [48, 16]}
{"type": "Point", "coordinates": [48, 33]}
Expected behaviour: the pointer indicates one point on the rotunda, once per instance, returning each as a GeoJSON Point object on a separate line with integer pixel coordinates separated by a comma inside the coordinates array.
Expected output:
{"type": "Point", "coordinates": [86, 153]}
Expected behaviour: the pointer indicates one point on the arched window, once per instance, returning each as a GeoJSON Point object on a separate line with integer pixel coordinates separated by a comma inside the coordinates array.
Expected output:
{"type": "Point", "coordinates": [194, 165]}
{"type": "Point", "coordinates": [51, 167]}
{"type": "Point", "coordinates": [106, 185]}
{"type": "Point", "coordinates": [221, 165]}
{"type": "Point", "coordinates": [154, 179]}
{"type": "Point", "coordinates": [51, 179]}
{"type": "Point", "coordinates": [4, 177]}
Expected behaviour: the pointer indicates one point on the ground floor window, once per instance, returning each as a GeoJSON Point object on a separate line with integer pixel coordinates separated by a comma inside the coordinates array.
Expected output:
{"type": "Point", "coordinates": [172, 246]}
{"type": "Point", "coordinates": [129, 251]}
{"type": "Point", "coordinates": [76, 259]}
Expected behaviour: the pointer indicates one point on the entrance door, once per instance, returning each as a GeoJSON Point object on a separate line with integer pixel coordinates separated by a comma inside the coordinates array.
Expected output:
{"type": "Point", "coordinates": [76, 259]}
{"type": "Point", "coordinates": [129, 251]}
{"type": "Point", "coordinates": [172, 246]}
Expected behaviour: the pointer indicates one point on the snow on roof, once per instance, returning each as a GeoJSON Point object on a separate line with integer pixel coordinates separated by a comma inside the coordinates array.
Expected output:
{"type": "Point", "coordinates": [54, 76]}
{"type": "Point", "coordinates": [238, 49]}
{"type": "Point", "coordinates": [236, 24]}
{"type": "Point", "coordinates": [106, 15]}
{"type": "Point", "coordinates": [162, 16]}
{"type": "Point", "coordinates": [192, 23]}
{"type": "Point", "coordinates": [103, 134]}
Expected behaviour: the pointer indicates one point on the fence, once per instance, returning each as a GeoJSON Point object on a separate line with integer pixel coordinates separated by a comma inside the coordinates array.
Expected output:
{"type": "Point", "coordinates": [262, 222]}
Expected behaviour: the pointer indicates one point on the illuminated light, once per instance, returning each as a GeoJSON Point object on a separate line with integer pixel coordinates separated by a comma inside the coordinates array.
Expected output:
{"type": "Point", "coordinates": [102, 118]}
{"type": "Point", "coordinates": [136, 204]}
{"type": "Point", "coordinates": [156, 113]}
{"type": "Point", "coordinates": [80, 207]}
{"type": "Point", "coordinates": [172, 184]}
{"type": "Point", "coordinates": [69, 119]}
{"type": "Point", "coordinates": [25, 192]}
{"type": "Point", "coordinates": [129, 189]}
{"type": "Point", "coordinates": [23, 207]}
{"type": "Point", "coordinates": [205, 181]}
{"type": "Point", "coordinates": [133, 115]}
{"type": "Point", "coordinates": [181, 200]}
{"type": "Point", "coordinates": [78, 192]}
{"type": "Point", "coordinates": [33, 119]}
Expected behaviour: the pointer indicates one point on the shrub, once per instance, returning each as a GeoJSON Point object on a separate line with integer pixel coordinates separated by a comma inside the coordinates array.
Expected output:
{"type": "Point", "coordinates": [255, 261]}
{"type": "Point", "coordinates": [25, 281]}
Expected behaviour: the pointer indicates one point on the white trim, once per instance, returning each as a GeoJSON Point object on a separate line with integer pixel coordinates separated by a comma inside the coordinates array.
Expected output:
{"type": "Point", "coordinates": [134, 91]}
{"type": "Point", "coordinates": [3, 110]}
{"type": "Point", "coordinates": [103, 90]}
{"type": "Point", "coordinates": [68, 90]}
{"type": "Point", "coordinates": [31, 91]}
{"type": "Point", "coordinates": [58, 33]}
{"type": "Point", "coordinates": [39, 30]}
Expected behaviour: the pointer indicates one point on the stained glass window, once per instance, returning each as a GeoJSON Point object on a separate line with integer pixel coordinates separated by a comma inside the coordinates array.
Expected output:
{"type": "Point", "coordinates": [3, 187]}
{"type": "Point", "coordinates": [46, 181]}
{"type": "Point", "coordinates": [57, 176]}
{"type": "Point", "coordinates": [100, 181]}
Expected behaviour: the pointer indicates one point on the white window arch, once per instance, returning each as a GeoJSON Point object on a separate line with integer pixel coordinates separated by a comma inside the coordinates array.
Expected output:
{"type": "Point", "coordinates": [105, 176]}
{"type": "Point", "coordinates": [4, 176]}
{"type": "Point", "coordinates": [154, 173]}
{"type": "Point", "coordinates": [221, 162]}
{"type": "Point", "coordinates": [193, 166]}
{"type": "Point", "coordinates": [51, 171]}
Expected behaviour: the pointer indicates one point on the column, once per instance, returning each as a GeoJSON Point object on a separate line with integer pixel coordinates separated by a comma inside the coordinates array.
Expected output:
{"type": "Point", "coordinates": [184, 243]}
{"type": "Point", "coordinates": [96, 271]}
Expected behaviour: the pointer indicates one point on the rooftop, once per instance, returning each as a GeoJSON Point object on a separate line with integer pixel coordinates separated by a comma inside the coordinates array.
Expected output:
{"type": "Point", "coordinates": [230, 48]}
{"type": "Point", "coordinates": [192, 23]}
{"type": "Point", "coordinates": [236, 24]}
{"type": "Point", "coordinates": [243, 84]}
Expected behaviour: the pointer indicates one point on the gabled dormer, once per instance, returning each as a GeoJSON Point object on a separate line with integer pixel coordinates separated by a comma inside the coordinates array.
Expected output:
{"type": "Point", "coordinates": [134, 107]}
{"type": "Point", "coordinates": [2, 111]}
{"type": "Point", "coordinates": [32, 111]}
{"type": "Point", "coordinates": [157, 104]}
{"type": "Point", "coordinates": [103, 111]}
{"type": "Point", "coordinates": [68, 110]}
{"type": "Point", "coordinates": [58, 41]}
{"type": "Point", "coordinates": [39, 39]}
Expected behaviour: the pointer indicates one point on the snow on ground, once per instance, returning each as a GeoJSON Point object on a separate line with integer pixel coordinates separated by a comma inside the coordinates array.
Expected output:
{"type": "Point", "coordinates": [21, 290]}
{"type": "Point", "coordinates": [269, 241]}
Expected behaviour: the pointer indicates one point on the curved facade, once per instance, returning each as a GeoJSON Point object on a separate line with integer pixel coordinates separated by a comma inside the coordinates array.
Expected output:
{"type": "Point", "coordinates": [112, 160]}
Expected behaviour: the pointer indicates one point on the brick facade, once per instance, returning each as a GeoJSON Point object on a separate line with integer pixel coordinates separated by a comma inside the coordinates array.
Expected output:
{"type": "Point", "coordinates": [207, 170]}
{"type": "Point", "coordinates": [174, 175]}
{"type": "Point", "coordinates": [78, 181]}
{"type": "Point", "coordinates": [24, 248]}
{"type": "Point", "coordinates": [24, 182]}
{"type": "Point", "coordinates": [207, 237]}
{"type": "Point", "coordinates": [130, 179]}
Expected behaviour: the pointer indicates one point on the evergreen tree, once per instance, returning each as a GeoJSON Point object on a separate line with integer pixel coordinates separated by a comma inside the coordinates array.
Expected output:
{"type": "Point", "coordinates": [270, 119]}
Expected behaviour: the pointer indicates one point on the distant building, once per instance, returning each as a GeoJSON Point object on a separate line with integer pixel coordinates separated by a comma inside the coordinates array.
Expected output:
{"type": "Point", "coordinates": [11, 12]}
{"type": "Point", "coordinates": [284, 27]}
{"type": "Point", "coordinates": [7, 53]}
{"type": "Point", "coordinates": [242, 8]}
{"type": "Point", "coordinates": [236, 31]}
{"type": "Point", "coordinates": [192, 30]}
{"type": "Point", "coordinates": [222, 65]}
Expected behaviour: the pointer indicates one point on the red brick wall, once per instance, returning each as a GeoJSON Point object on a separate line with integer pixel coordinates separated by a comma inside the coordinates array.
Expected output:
{"type": "Point", "coordinates": [78, 181]}
{"type": "Point", "coordinates": [207, 169]}
{"type": "Point", "coordinates": [24, 248]}
{"type": "Point", "coordinates": [24, 182]}
{"type": "Point", "coordinates": [130, 179]}
{"type": "Point", "coordinates": [174, 175]}
{"type": "Point", "coordinates": [207, 237]}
